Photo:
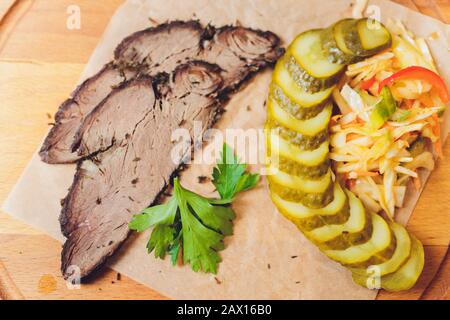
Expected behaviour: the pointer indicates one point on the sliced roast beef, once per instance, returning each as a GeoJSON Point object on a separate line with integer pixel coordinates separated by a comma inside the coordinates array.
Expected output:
{"type": "Point", "coordinates": [240, 52]}
{"type": "Point", "coordinates": [164, 47]}
{"type": "Point", "coordinates": [161, 49]}
{"type": "Point", "coordinates": [133, 128]}
{"type": "Point", "coordinates": [57, 146]}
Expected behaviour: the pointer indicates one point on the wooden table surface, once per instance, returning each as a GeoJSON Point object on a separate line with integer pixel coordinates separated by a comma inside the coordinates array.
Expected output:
{"type": "Point", "coordinates": [40, 63]}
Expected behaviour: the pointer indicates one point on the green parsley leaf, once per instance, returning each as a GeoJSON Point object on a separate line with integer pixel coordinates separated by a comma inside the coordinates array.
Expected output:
{"type": "Point", "coordinates": [229, 176]}
{"type": "Point", "coordinates": [162, 214]}
{"type": "Point", "coordinates": [195, 225]}
{"type": "Point", "coordinates": [175, 249]}
{"type": "Point", "coordinates": [161, 240]}
{"type": "Point", "coordinates": [200, 243]}
{"type": "Point", "coordinates": [216, 217]}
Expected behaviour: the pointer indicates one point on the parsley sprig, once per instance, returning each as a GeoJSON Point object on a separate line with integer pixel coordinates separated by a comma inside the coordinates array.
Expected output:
{"type": "Point", "coordinates": [195, 225]}
{"type": "Point", "coordinates": [230, 176]}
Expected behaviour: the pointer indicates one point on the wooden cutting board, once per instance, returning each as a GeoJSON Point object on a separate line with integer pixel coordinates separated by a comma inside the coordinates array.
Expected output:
{"type": "Point", "coordinates": [40, 62]}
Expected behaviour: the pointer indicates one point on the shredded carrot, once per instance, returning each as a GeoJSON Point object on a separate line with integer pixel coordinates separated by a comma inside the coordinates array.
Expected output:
{"type": "Point", "coordinates": [335, 119]}
{"type": "Point", "coordinates": [352, 124]}
{"type": "Point", "coordinates": [360, 121]}
{"type": "Point", "coordinates": [367, 173]}
{"type": "Point", "coordinates": [436, 125]}
{"type": "Point", "coordinates": [417, 183]}
{"type": "Point", "coordinates": [407, 104]}
{"type": "Point", "coordinates": [426, 100]}
{"type": "Point", "coordinates": [367, 84]}
{"type": "Point", "coordinates": [353, 136]}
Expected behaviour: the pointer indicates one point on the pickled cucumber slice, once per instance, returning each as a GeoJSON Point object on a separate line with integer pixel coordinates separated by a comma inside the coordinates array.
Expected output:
{"type": "Point", "coordinates": [308, 52]}
{"type": "Point", "coordinates": [279, 146]}
{"type": "Point", "coordinates": [380, 241]}
{"type": "Point", "coordinates": [360, 229]}
{"type": "Point", "coordinates": [300, 183]}
{"type": "Point", "coordinates": [295, 210]}
{"type": "Point", "coordinates": [311, 200]}
{"type": "Point", "coordinates": [298, 139]}
{"type": "Point", "coordinates": [405, 277]}
{"type": "Point", "coordinates": [339, 32]}
{"type": "Point", "coordinates": [307, 224]}
{"type": "Point", "coordinates": [347, 240]}
{"type": "Point", "coordinates": [373, 36]}
{"type": "Point", "coordinates": [330, 46]}
{"type": "Point", "coordinates": [315, 222]}
{"type": "Point", "coordinates": [309, 65]}
{"type": "Point", "coordinates": [296, 110]}
{"type": "Point", "coordinates": [356, 223]}
{"type": "Point", "coordinates": [306, 81]}
{"type": "Point", "coordinates": [400, 256]}
{"type": "Point", "coordinates": [284, 80]}
{"type": "Point", "coordinates": [297, 169]}
{"type": "Point", "coordinates": [308, 127]}
{"type": "Point", "coordinates": [365, 37]}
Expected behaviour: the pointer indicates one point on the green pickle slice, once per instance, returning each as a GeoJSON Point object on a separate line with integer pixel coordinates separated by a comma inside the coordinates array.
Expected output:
{"type": "Point", "coordinates": [310, 127]}
{"type": "Point", "coordinates": [284, 80]}
{"type": "Point", "coordinates": [378, 248]}
{"type": "Point", "coordinates": [309, 64]}
{"type": "Point", "coordinates": [307, 219]}
{"type": "Point", "coordinates": [311, 200]}
{"type": "Point", "coordinates": [297, 169]}
{"type": "Point", "coordinates": [356, 230]}
{"type": "Point", "coordinates": [403, 279]}
{"type": "Point", "coordinates": [294, 109]}
{"type": "Point", "coordinates": [338, 53]}
{"type": "Point", "coordinates": [302, 141]}
{"type": "Point", "coordinates": [400, 256]}
{"type": "Point", "coordinates": [365, 37]}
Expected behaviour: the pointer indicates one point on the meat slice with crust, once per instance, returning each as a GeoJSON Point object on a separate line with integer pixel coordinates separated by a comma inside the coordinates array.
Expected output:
{"type": "Point", "coordinates": [240, 53]}
{"type": "Point", "coordinates": [131, 132]}
{"type": "Point", "coordinates": [165, 46]}
{"type": "Point", "coordinates": [57, 146]}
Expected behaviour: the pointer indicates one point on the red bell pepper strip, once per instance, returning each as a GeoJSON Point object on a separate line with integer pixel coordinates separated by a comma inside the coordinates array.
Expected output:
{"type": "Point", "coordinates": [419, 73]}
{"type": "Point", "coordinates": [366, 85]}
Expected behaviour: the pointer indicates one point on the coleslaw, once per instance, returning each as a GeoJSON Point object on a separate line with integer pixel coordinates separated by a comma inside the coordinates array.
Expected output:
{"type": "Point", "coordinates": [391, 106]}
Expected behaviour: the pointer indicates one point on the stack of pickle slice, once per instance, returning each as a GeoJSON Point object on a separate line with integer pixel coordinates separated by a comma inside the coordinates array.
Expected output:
{"type": "Point", "coordinates": [379, 253]}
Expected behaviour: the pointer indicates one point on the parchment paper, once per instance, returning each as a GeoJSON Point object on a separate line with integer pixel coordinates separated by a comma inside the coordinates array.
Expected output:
{"type": "Point", "coordinates": [267, 258]}
{"type": "Point", "coordinates": [5, 5]}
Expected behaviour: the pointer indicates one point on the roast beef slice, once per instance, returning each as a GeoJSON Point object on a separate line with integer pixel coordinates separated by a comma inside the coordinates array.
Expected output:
{"type": "Point", "coordinates": [164, 47]}
{"type": "Point", "coordinates": [133, 128]}
{"type": "Point", "coordinates": [238, 51]}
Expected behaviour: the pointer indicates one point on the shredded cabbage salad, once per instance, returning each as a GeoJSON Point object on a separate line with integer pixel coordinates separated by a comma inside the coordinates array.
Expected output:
{"type": "Point", "coordinates": [379, 144]}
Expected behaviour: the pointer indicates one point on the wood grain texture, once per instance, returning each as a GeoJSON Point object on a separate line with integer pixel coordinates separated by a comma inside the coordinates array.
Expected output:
{"type": "Point", "coordinates": [36, 272]}
{"type": "Point", "coordinates": [8, 288]}
{"type": "Point", "coordinates": [40, 62]}
{"type": "Point", "coordinates": [440, 286]}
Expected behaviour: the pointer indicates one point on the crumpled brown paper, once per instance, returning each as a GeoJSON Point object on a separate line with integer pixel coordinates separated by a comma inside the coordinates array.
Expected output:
{"type": "Point", "coordinates": [267, 258]}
